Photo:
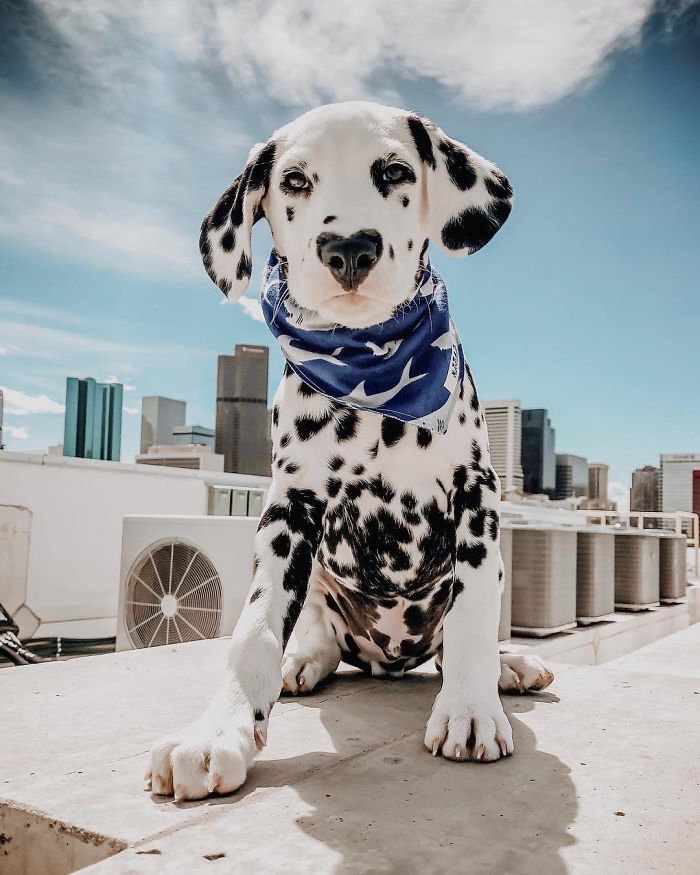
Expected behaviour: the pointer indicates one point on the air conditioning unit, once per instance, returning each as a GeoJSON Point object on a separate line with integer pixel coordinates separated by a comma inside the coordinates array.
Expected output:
{"type": "Point", "coordinates": [673, 574]}
{"type": "Point", "coordinates": [506, 595]}
{"type": "Point", "coordinates": [636, 570]}
{"type": "Point", "coordinates": [595, 574]}
{"type": "Point", "coordinates": [543, 579]}
{"type": "Point", "coordinates": [183, 578]}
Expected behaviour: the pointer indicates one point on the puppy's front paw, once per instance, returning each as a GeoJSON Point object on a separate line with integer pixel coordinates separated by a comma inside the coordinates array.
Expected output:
{"type": "Point", "coordinates": [300, 673]}
{"type": "Point", "coordinates": [209, 756]}
{"type": "Point", "coordinates": [462, 730]}
{"type": "Point", "coordinates": [522, 673]}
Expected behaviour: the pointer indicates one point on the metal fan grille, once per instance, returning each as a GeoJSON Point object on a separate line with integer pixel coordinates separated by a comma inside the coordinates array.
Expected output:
{"type": "Point", "coordinates": [173, 594]}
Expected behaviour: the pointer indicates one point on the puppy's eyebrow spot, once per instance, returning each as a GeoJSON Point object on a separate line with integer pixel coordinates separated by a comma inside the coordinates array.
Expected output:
{"type": "Point", "coordinates": [391, 251]}
{"type": "Point", "coordinates": [329, 219]}
{"type": "Point", "coordinates": [404, 200]}
{"type": "Point", "coordinates": [290, 213]}
{"type": "Point", "coordinates": [314, 176]}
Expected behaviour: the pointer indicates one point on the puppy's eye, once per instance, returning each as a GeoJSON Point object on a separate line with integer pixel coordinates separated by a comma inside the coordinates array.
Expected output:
{"type": "Point", "coordinates": [397, 173]}
{"type": "Point", "coordinates": [296, 181]}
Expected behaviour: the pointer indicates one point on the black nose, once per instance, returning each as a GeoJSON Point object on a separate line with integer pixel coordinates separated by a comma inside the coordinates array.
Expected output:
{"type": "Point", "coordinates": [351, 258]}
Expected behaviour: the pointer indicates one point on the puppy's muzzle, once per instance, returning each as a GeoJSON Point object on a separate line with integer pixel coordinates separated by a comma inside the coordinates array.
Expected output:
{"type": "Point", "coordinates": [350, 259]}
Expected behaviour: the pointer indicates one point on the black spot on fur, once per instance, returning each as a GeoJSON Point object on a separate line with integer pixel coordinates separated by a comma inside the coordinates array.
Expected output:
{"type": "Point", "coordinates": [404, 200]}
{"type": "Point", "coordinates": [473, 555]}
{"type": "Point", "coordinates": [290, 214]}
{"type": "Point", "coordinates": [458, 165]}
{"type": "Point", "coordinates": [474, 227]}
{"type": "Point", "coordinates": [391, 251]}
{"type": "Point", "coordinates": [285, 439]}
{"type": "Point", "coordinates": [410, 245]}
{"type": "Point", "coordinates": [336, 463]}
{"type": "Point", "coordinates": [358, 470]}
{"type": "Point", "coordinates": [275, 415]}
{"type": "Point", "coordinates": [281, 545]}
{"type": "Point", "coordinates": [329, 219]}
{"type": "Point", "coordinates": [221, 212]}
{"type": "Point", "coordinates": [228, 240]}
{"type": "Point", "coordinates": [308, 427]}
{"type": "Point", "coordinates": [346, 425]}
{"type": "Point", "coordinates": [255, 595]}
{"type": "Point", "coordinates": [374, 450]}
{"type": "Point", "coordinates": [258, 714]}
{"type": "Point", "coordinates": [498, 186]}
{"type": "Point", "coordinates": [424, 438]}
{"type": "Point", "coordinates": [381, 489]}
{"type": "Point", "coordinates": [333, 485]}
{"type": "Point", "coordinates": [305, 390]}
{"type": "Point", "coordinates": [244, 267]}
{"type": "Point", "coordinates": [421, 138]}
{"type": "Point", "coordinates": [392, 431]}
{"type": "Point", "coordinates": [314, 176]}
{"type": "Point", "coordinates": [462, 418]}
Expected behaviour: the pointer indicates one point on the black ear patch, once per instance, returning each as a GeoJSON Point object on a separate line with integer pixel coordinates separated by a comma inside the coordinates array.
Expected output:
{"type": "Point", "coordinates": [421, 138]}
{"type": "Point", "coordinates": [498, 186]}
{"type": "Point", "coordinates": [474, 227]}
{"type": "Point", "coordinates": [459, 168]}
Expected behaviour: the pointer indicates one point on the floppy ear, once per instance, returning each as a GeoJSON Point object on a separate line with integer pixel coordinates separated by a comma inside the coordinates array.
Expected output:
{"type": "Point", "coordinates": [468, 197]}
{"type": "Point", "coordinates": [224, 240]}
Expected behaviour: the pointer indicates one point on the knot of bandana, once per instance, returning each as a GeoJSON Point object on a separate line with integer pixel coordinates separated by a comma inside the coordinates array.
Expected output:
{"type": "Point", "coordinates": [409, 367]}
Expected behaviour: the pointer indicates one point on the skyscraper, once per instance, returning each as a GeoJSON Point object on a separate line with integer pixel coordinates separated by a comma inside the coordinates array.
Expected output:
{"type": "Point", "coordinates": [680, 482]}
{"type": "Point", "coordinates": [598, 481]}
{"type": "Point", "coordinates": [242, 432]}
{"type": "Point", "coordinates": [159, 417]}
{"type": "Point", "coordinates": [571, 476]}
{"type": "Point", "coordinates": [537, 453]}
{"type": "Point", "coordinates": [503, 419]}
{"type": "Point", "coordinates": [645, 493]}
{"type": "Point", "coordinates": [93, 423]}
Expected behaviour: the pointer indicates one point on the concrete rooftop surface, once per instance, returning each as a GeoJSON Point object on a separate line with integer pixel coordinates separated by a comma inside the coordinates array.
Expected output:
{"type": "Point", "coordinates": [605, 777]}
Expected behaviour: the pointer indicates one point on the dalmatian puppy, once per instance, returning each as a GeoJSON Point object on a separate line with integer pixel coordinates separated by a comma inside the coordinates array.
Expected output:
{"type": "Point", "coordinates": [379, 544]}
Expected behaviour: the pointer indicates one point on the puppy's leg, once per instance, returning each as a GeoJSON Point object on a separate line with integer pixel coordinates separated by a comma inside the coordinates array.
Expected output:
{"type": "Point", "coordinates": [523, 672]}
{"type": "Point", "coordinates": [214, 752]}
{"type": "Point", "coordinates": [317, 653]}
{"type": "Point", "coordinates": [468, 721]}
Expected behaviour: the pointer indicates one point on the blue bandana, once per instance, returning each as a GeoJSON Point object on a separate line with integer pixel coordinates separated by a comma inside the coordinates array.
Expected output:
{"type": "Point", "coordinates": [409, 367]}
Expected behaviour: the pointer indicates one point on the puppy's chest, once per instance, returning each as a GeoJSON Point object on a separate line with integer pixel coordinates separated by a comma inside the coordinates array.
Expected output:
{"type": "Point", "coordinates": [388, 530]}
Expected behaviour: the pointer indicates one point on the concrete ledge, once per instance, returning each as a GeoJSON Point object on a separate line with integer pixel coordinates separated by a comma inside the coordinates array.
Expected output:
{"type": "Point", "coordinates": [344, 785]}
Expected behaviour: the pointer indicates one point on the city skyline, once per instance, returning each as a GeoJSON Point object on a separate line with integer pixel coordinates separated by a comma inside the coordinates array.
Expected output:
{"type": "Point", "coordinates": [573, 307]}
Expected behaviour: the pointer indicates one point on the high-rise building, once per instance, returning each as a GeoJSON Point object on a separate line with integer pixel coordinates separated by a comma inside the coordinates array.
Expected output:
{"type": "Point", "coordinates": [680, 482]}
{"type": "Point", "coordinates": [504, 422]}
{"type": "Point", "coordinates": [598, 481]}
{"type": "Point", "coordinates": [93, 423]}
{"type": "Point", "coordinates": [159, 417]}
{"type": "Point", "coordinates": [242, 432]}
{"type": "Point", "coordinates": [193, 434]}
{"type": "Point", "coordinates": [645, 494]}
{"type": "Point", "coordinates": [571, 476]}
{"type": "Point", "coordinates": [537, 453]}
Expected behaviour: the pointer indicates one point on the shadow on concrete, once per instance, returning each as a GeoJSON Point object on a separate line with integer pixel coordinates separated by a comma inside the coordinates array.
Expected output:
{"type": "Point", "coordinates": [382, 804]}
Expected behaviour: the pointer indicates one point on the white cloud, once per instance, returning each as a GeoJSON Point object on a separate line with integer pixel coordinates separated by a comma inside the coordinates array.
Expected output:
{"type": "Point", "coordinates": [4, 351]}
{"type": "Point", "coordinates": [112, 379]}
{"type": "Point", "coordinates": [620, 494]}
{"type": "Point", "coordinates": [508, 54]}
{"type": "Point", "coordinates": [252, 307]}
{"type": "Point", "coordinates": [20, 404]}
{"type": "Point", "coordinates": [132, 411]}
{"type": "Point", "coordinates": [18, 432]}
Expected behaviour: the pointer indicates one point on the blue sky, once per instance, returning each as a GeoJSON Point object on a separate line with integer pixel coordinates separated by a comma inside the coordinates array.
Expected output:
{"type": "Point", "coordinates": [122, 123]}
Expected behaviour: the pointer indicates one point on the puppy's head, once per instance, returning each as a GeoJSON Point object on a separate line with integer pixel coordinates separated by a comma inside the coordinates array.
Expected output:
{"type": "Point", "coordinates": [353, 192]}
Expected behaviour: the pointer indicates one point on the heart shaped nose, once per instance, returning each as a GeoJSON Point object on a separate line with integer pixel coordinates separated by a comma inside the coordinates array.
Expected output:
{"type": "Point", "coordinates": [350, 259]}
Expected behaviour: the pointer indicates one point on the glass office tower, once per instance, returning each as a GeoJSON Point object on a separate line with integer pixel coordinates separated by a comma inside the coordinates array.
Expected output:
{"type": "Point", "coordinates": [93, 424]}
